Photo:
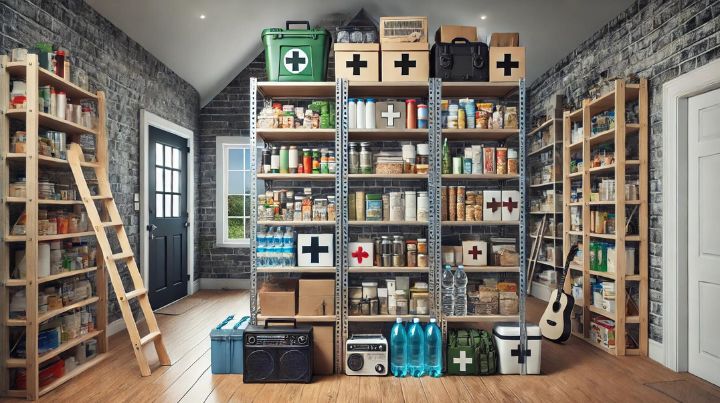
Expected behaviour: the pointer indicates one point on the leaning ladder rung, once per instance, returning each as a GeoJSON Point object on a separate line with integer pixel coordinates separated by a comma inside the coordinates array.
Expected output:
{"type": "Point", "coordinates": [109, 224]}
{"type": "Point", "coordinates": [121, 256]}
{"type": "Point", "coordinates": [149, 337]}
{"type": "Point", "coordinates": [135, 293]}
{"type": "Point", "coordinates": [101, 197]}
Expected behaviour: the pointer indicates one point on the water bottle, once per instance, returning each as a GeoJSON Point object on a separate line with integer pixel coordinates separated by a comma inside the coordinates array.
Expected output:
{"type": "Point", "coordinates": [277, 247]}
{"type": "Point", "coordinates": [433, 349]}
{"type": "Point", "coordinates": [289, 241]}
{"type": "Point", "coordinates": [260, 248]}
{"type": "Point", "coordinates": [416, 349]}
{"type": "Point", "coordinates": [448, 291]}
{"type": "Point", "coordinates": [398, 349]}
{"type": "Point", "coordinates": [460, 291]}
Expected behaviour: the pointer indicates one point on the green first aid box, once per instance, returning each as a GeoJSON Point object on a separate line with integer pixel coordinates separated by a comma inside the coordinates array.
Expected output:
{"type": "Point", "coordinates": [471, 352]}
{"type": "Point", "coordinates": [296, 54]}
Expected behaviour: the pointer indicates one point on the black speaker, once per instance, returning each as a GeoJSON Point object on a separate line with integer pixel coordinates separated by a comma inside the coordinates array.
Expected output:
{"type": "Point", "coordinates": [278, 353]}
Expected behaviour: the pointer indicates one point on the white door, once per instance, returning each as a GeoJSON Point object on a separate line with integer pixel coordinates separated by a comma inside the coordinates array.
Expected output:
{"type": "Point", "coordinates": [704, 235]}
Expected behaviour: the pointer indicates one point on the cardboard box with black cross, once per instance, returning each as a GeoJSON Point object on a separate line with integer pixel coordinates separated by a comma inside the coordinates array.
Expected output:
{"type": "Point", "coordinates": [315, 250]}
{"type": "Point", "coordinates": [357, 61]}
{"type": "Point", "coordinates": [507, 63]}
{"type": "Point", "coordinates": [405, 62]}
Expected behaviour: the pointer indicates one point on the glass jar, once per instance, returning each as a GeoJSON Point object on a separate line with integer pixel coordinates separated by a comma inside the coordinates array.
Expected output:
{"type": "Point", "coordinates": [411, 253]}
{"type": "Point", "coordinates": [366, 159]}
{"type": "Point", "coordinates": [319, 209]}
{"type": "Point", "coordinates": [331, 208]}
{"type": "Point", "coordinates": [419, 299]}
{"type": "Point", "coordinates": [422, 246]}
{"type": "Point", "coordinates": [402, 306]}
{"type": "Point", "coordinates": [332, 166]}
{"type": "Point", "coordinates": [398, 251]}
{"type": "Point", "coordinates": [354, 158]}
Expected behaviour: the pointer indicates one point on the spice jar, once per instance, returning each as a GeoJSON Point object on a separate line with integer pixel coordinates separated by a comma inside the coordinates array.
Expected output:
{"type": "Point", "coordinates": [366, 159]}
{"type": "Point", "coordinates": [422, 246]}
{"type": "Point", "coordinates": [512, 161]}
{"type": "Point", "coordinates": [422, 160]}
{"type": "Point", "coordinates": [354, 158]}
{"type": "Point", "coordinates": [398, 251]}
{"type": "Point", "coordinates": [411, 254]}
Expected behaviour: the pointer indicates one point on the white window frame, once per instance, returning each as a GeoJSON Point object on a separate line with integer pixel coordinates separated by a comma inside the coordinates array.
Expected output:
{"type": "Point", "coordinates": [223, 144]}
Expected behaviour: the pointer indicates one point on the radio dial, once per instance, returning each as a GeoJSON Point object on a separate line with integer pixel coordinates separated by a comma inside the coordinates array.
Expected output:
{"type": "Point", "coordinates": [251, 340]}
{"type": "Point", "coordinates": [379, 368]}
{"type": "Point", "coordinates": [302, 340]}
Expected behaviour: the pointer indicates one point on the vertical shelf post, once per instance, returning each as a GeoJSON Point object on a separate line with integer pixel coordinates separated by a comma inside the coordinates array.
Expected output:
{"type": "Point", "coordinates": [340, 219]}
{"type": "Point", "coordinates": [4, 227]}
{"type": "Point", "coordinates": [587, 291]}
{"type": "Point", "coordinates": [253, 202]}
{"type": "Point", "coordinates": [522, 143]}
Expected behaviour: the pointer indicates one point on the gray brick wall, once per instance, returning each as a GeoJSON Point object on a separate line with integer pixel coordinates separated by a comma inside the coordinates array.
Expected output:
{"type": "Point", "coordinates": [655, 39]}
{"type": "Point", "coordinates": [131, 77]}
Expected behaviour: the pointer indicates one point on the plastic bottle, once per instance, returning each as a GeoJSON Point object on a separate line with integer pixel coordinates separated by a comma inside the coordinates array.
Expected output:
{"type": "Point", "coordinates": [416, 349]}
{"type": "Point", "coordinates": [360, 121]}
{"type": "Point", "coordinates": [289, 247]}
{"type": "Point", "coordinates": [448, 291]}
{"type": "Point", "coordinates": [277, 247]}
{"type": "Point", "coordinates": [446, 163]}
{"type": "Point", "coordinates": [460, 291]}
{"type": "Point", "coordinates": [398, 349]}
{"type": "Point", "coordinates": [352, 113]}
{"type": "Point", "coordinates": [433, 349]}
{"type": "Point", "coordinates": [260, 248]}
{"type": "Point", "coordinates": [370, 113]}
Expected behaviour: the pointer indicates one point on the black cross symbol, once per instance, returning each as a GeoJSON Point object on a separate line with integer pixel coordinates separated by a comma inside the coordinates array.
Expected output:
{"type": "Point", "coordinates": [295, 60]}
{"type": "Point", "coordinates": [405, 64]}
{"type": "Point", "coordinates": [356, 64]}
{"type": "Point", "coordinates": [475, 252]}
{"type": "Point", "coordinates": [315, 249]}
{"type": "Point", "coordinates": [520, 353]}
{"type": "Point", "coordinates": [507, 64]}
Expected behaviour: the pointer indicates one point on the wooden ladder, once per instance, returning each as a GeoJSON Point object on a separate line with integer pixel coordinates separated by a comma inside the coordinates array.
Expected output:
{"type": "Point", "coordinates": [75, 157]}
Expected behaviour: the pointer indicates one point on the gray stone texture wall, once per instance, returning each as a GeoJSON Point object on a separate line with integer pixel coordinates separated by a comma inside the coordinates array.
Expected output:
{"type": "Point", "coordinates": [131, 77]}
{"type": "Point", "coordinates": [654, 39]}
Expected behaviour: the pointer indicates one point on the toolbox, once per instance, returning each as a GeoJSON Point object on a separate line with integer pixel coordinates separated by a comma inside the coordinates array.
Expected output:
{"type": "Point", "coordinates": [226, 346]}
{"type": "Point", "coordinates": [460, 60]}
{"type": "Point", "coordinates": [296, 54]}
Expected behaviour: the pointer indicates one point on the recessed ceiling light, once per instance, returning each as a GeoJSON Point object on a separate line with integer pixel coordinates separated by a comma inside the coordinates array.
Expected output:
{"type": "Point", "coordinates": [482, 17]}
{"type": "Point", "coordinates": [202, 16]}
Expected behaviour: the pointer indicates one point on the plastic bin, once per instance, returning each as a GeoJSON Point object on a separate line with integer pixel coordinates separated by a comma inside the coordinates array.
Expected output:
{"type": "Point", "coordinates": [507, 340]}
{"type": "Point", "coordinates": [296, 54]}
{"type": "Point", "coordinates": [226, 346]}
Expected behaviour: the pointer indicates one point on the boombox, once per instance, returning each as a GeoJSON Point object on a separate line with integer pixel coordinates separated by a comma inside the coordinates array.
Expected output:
{"type": "Point", "coordinates": [366, 354]}
{"type": "Point", "coordinates": [460, 60]}
{"type": "Point", "coordinates": [278, 353]}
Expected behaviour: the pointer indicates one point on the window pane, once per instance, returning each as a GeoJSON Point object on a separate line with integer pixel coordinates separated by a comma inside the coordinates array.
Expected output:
{"type": "Point", "coordinates": [247, 157]}
{"type": "Point", "coordinates": [176, 206]}
{"type": "Point", "coordinates": [236, 228]}
{"type": "Point", "coordinates": [235, 159]}
{"type": "Point", "coordinates": [168, 205]}
{"type": "Point", "coordinates": [176, 158]}
{"type": "Point", "coordinates": [246, 185]}
{"type": "Point", "coordinates": [235, 206]}
{"type": "Point", "coordinates": [168, 180]}
{"type": "Point", "coordinates": [159, 187]}
{"type": "Point", "coordinates": [235, 185]}
{"type": "Point", "coordinates": [168, 156]}
{"type": "Point", "coordinates": [159, 154]}
{"type": "Point", "coordinates": [176, 181]}
{"type": "Point", "coordinates": [159, 205]}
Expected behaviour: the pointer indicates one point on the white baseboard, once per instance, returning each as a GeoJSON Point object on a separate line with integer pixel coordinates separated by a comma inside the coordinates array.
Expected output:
{"type": "Point", "coordinates": [195, 286]}
{"type": "Point", "coordinates": [656, 351]}
{"type": "Point", "coordinates": [224, 284]}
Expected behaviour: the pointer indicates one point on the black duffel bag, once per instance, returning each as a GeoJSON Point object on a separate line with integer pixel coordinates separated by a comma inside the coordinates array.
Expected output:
{"type": "Point", "coordinates": [460, 60]}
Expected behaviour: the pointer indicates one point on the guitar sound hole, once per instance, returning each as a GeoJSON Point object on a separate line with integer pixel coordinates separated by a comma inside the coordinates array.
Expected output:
{"type": "Point", "coordinates": [551, 322]}
{"type": "Point", "coordinates": [556, 306]}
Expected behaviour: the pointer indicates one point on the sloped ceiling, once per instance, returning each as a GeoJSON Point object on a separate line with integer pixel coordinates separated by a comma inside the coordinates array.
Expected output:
{"type": "Point", "coordinates": [210, 52]}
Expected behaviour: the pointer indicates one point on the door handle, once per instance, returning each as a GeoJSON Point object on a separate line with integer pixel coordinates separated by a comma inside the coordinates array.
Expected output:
{"type": "Point", "coordinates": [187, 224]}
{"type": "Point", "coordinates": [151, 228]}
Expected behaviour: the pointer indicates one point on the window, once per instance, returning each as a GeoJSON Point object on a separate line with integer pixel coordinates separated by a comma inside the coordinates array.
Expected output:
{"type": "Point", "coordinates": [167, 181]}
{"type": "Point", "coordinates": [233, 191]}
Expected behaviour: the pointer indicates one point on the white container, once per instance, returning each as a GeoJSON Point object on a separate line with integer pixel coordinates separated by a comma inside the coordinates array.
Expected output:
{"type": "Point", "coordinates": [360, 115]}
{"type": "Point", "coordinates": [477, 164]}
{"type": "Point", "coordinates": [370, 113]}
{"type": "Point", "coordinates": [423, 149]}
{"type": "Point", "coordinates": [352, 113]}
{"type": "Point", "coordinates": [370, 290]}
{"type": "Point", "coordinates": [507, 338]}
{"type": "Point", "coordinates": [423, 206]}
{"type": "Point", "coordinates": [410, 205]}
{"type": "Point", "coordinates": [408, 152]}
{"type": "Point", "coordinates": [397, 209]}
{"type": "Point", "coordinates": [630, 267]}
{"type": "Point", "coordinates": [43, 259]}
{"type": "Point", "coordinates": [61, 105]}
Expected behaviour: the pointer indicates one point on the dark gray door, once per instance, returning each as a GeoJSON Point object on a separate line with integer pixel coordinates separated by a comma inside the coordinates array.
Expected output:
{"type": "Point", "coordinates": [167, 157]}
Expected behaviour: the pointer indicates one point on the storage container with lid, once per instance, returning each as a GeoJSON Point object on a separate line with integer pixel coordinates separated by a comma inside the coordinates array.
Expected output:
{"type": "Point", "coordinates": [507, 339]}
{"type": "Point", "coordinates": [296, 54]}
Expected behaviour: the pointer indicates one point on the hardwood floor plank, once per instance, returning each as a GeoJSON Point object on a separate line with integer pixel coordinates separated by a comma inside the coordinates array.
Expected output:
{"type": "Point", "coordinates": [200, 391]}
{"type": "Point", "coordinates": [322, 389]}
{"type": "Point", "coordinates": [434, 389]}
{"type": "Point", "coordinates": [349, 389]}
{"type": "Point", "coordinates": [457, 390]}
{"type": "Point", "coordinates": [412, 389]}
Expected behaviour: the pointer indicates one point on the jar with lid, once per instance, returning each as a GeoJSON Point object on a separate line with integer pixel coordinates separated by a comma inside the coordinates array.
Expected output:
{"type": "Point", "coordinates": [307, 161]}
{"type": "Point", "coordinates": [402, 306]}
{"type": "Point", "coordinates": [275, 160]}
{"type": "Point", "coordinates": [423, 206]}
{"type": "Point", "coordinates": [422, 245]}
{"type": "Point", "coordinates": [324, 168]}
{"type": "Point", "coordinates": [408, 155]}
{"type": "Point", "coordinates": [512, 161]}
{"type": "Point", "coordinates": [366, 158]}
{"type": "Point", "coordinates": [411, 253]}
{"type": "Point", "coordinates": [398, 251]}
{"type": "Point", "coordinates": [419, 299]}
{"type": "Point", "coordinates": [410, 205]}
{"type": "Point", "coordinates": [293, 159]}
{"type": "Point", "coordinates": [377, 259]}
{"type": "Point", "coordinates": [331, 208]}
{"type": "Point", "coordinates": [320, 210]}
{"type": "Point", "coordinates": [354, 159]}
{"type": "Point", "coordinates": [331, 162]}
{"type": "Point", "coordinates": [422, 160]}
{"type": "Point", "coordinates": [316, 161]}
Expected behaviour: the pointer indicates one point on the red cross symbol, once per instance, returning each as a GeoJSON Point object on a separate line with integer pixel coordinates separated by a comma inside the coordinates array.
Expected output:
{"type": "Point", "coordinates": [360, 254]}
{"type": "Point", "coordinates": [510, 204]}
{"type": "Point", "coordinates": [494, 205]}
{"type": "Point", "coordinates": [475, 252]}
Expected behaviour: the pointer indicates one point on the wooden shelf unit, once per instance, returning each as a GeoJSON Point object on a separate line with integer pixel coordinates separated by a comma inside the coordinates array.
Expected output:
{"type": "Point", "coordinates": [616, 100]}
{"type": "Point", "coordinates": [33, 166]}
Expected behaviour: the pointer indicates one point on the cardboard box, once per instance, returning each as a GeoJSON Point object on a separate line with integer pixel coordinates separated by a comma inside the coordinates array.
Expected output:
{"type": "Point", "coordinates": [507, 63]}
{"type": "Point", "coordinates": [403, 29]}
{"type": "Point", "coordinates": [474, 253]}
{"type": "Point", "coordinates": [357, 61]}
{"type": "Point", "coordinates": [508, 40]}
{"type": "Point", "coordinates": [315, 250]}
{"type": "Point", "coordinates": [361, 254]}
{"type": "Point", "coordinates": [446, 33]}
{"type": "Point", "coordinates": [510, 205]}
{"type": "Point", "coordinates": [492, 209]}
{"type": "Point", "coordinates": [323, 350]}
{"type": "Point", "coordinates": [405, 62]}
{"type": "Point", "coordinates": [390, 115]}
{"type": "Point", "coordinates": [316, 297]}
{"type": "Point", "coordinates": [277, 303]}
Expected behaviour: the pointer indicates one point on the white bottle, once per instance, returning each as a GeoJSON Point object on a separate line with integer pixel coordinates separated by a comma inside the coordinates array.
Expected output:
{"type": "Point", "coordinates": [360, 121]}
{"type": "Point", "coordinates": [352, 113]}
{"type": "Point", "coordinates": [370, 113]}
{"type": "Point", "coordinates": [61, 105]}
{"type": "Point", "coordinates": [53, 103]}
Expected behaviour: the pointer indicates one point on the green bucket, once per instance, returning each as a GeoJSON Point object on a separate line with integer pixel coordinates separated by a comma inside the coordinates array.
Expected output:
{"type": "Point", "coordinates": [296, 54]}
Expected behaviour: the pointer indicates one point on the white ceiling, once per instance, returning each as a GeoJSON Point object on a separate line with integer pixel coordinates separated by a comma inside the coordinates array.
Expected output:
{"type": "Point", "coordinates": [210, 52]}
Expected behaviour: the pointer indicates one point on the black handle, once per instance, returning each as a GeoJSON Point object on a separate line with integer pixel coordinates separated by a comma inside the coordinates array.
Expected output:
{"type": "Point", "coordinates": [460, 40]}
{"type": "Point", "coordinates": [281, 320]}
{"type": "Point", "coordinates": [291, 22]}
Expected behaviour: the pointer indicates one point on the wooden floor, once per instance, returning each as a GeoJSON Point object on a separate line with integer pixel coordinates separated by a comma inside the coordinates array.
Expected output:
{"type": "Point", "coordinates": [573, 372]}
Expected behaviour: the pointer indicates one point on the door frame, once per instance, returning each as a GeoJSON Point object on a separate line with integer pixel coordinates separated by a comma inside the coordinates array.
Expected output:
{"type": "Point", "coordinates": [673, 352]}
{"type": "Point", "coordinates": [148, 119]}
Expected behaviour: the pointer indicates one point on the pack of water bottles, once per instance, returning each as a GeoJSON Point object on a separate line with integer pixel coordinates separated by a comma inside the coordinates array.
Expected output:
{"type": "Point", "coordinates": [454, 291]}
{"type": "Point", "coordinates": [416, 350]}
{"type": "Point", "coordinates": [275, 247]}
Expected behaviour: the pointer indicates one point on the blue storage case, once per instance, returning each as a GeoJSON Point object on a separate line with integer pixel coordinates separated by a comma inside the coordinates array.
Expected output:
{"type": "Point", "coordinates": [226, 346]}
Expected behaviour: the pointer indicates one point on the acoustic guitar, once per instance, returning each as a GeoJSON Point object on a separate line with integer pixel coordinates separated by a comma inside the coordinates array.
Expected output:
{"type": "Point", "coordinates": [555, 322]}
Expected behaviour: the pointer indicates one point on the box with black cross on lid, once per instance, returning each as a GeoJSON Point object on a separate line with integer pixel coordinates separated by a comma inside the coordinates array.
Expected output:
{"type": "Point", "coordinates": [357, 61]}
{"type": "Point", "coordinates": [405, 62]}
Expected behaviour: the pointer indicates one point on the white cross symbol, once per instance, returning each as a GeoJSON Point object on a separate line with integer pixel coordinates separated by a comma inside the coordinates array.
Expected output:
{"type": "Point", "coordinates": [463, 360]}
{"type": "Point", "coordinates": [391, 115]}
